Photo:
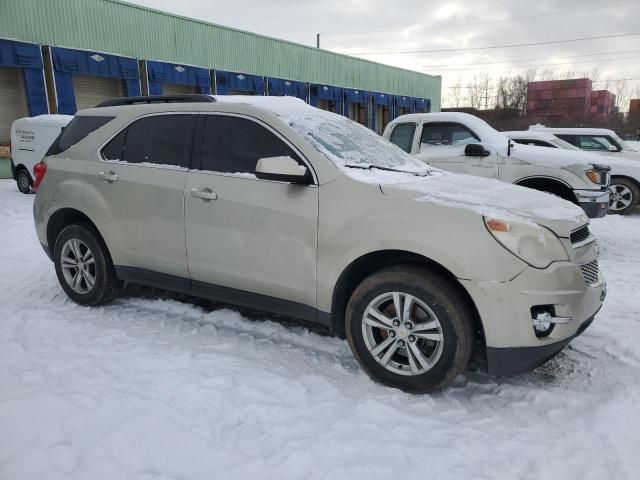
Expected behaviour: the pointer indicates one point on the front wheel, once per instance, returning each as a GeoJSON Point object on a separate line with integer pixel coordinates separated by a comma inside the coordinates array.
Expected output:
{"type": "Point", "coordinates": [83, 266]}
{"type": "Point", "coordinates": [625, 196]}
{"type": "Point", "coordinates": [24, 181]}
{"type": "Point", "coordinates": [410, 329]}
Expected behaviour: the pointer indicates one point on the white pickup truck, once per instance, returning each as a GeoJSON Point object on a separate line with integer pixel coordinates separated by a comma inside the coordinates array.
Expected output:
{"type": "Point", "coordinates": [463, 143]}
{"type": "Point", "coordinates": [31, 137]}
{"type": "Point", "coordinates": [625, 173]}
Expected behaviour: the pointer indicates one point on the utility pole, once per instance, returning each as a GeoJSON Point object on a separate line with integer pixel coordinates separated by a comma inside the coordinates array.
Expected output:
{"type": "Point", "coordinates": [317, 40]}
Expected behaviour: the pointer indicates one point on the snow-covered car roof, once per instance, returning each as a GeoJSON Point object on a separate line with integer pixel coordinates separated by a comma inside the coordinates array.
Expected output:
{"type": "Point", "coordinates": [51, 120]}
{"type": "Point", "coordinates": [583, 131]}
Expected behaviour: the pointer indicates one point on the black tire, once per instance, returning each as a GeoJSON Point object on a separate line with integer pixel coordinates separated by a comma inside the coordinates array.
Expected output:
{"type": "Point", "coordinates": [23, 179]}
{"type": "Point", "coordinates": [105, 288]}
{"type": "Point", "coordinates": [623, 184]}
{"type": "Point", "coordinates": [443, 297]}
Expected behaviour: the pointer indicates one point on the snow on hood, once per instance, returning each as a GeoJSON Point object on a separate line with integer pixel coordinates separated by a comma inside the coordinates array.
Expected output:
{"type": "Point", "coordinates": [490, 198]}
{"type": "Point", "coordinates": [344, 142]}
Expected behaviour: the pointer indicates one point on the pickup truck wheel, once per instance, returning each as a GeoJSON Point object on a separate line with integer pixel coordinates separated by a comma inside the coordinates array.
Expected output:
{"type": "Point", "coordinates": [410, 329]}
{"type": "Point", "coordinates": [625, 196]}
{"type": "Point", "coordinates": [83, 266]}
{"type": "Point", "coordinates": [23, 180]}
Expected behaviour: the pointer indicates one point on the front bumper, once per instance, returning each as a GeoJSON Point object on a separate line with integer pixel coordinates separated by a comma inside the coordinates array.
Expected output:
{"type": "Point", "coordinates": [505, 309]}
{"type": "Point", "coordinates": [595, 203]}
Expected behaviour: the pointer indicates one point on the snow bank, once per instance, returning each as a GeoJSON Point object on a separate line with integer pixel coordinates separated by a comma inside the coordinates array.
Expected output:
{"type": "Point", "coordinates": [151, 388]}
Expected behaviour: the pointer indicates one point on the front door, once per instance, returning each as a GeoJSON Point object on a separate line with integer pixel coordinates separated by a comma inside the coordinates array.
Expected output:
{"type": "Point", "coordinates": [442, 145]}
{"type": "Point", "coordinates": [245, 234]}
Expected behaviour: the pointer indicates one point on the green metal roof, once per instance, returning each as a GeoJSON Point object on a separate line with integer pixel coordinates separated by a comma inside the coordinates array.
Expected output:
{"type": "Point", "coordinates": [112, 26]}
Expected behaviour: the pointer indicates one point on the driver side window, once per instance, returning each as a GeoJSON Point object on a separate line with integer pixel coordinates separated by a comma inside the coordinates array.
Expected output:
{"type": "Point", "coordinates": [438, 134]}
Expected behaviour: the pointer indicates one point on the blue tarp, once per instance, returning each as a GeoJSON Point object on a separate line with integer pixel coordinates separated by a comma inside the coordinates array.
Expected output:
{"type": "Point", "coordinates": [280, 88]}
{"type": "Point", "coordinates": [27, 56]}
{"type": "Point", "coordinates": [422, 105]}
{"type": "Point", "coordinates": [161, 72]}
{"type": "Point", "coordinates": [401, 101]}
{"type": "Point", "coordinates": [238, 82]}
{"type": "Point", "coordinates": [68, 62]}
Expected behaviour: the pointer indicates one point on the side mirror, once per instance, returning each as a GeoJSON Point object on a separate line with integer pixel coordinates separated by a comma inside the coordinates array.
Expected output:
{"type": "Point", "coordinates": [613, 148]}
{"type": "Point", "coordinates": [476, 150]}
{"type": "Point", "coordinates": [282, 169]}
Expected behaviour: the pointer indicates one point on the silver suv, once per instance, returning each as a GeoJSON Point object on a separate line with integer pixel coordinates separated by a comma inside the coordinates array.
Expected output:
{"type": "Point", "coordinates": [273, 204]}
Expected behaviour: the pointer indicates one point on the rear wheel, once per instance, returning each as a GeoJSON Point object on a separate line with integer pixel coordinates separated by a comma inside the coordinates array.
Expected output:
{"type": "Point", "coordinates": [625, 196]}
{"type": "Point", "coordinates": [83, 266]}
{"type": "Point", "coordinates": [23, 179]}
{"type": "Point", "coordinates": [410, 328]}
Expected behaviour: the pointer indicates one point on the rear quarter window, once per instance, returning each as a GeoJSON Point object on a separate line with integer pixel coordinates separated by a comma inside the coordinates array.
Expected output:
{"type": "Point", "coordinates": [78, 129]}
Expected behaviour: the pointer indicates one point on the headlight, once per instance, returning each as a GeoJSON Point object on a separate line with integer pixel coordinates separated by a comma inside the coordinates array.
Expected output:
{"type": "Point", "coordinates": [535, 244]}
{"type": "Point", "coordinates": [593, 175]}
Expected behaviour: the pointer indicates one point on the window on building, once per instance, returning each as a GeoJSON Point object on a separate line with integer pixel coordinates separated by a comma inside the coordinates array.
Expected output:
{"type": "Point", "coordinates": [402, 136]}
{"type": "Point", "coordinates": [234, 145]}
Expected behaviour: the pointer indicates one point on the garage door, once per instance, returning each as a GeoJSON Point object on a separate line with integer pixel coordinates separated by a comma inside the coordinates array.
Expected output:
{"type": "Point", "coordinates": [90, 90]}
{"type": "Point", "coordinates": [13, 100]}
{"type": "Point", "coordinates": [175, 89]}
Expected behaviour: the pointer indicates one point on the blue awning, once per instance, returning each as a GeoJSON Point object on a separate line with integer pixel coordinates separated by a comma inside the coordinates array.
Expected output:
{"type": "Point", "coordinates": [281, 87]}
{"type": "Point", "coordinates": [423, 104]}
{"type": "Point", "coordinates": [328, 92]}
{"type": "Point", "coordinates": [356, 96]}
{"type": "Point", "coordinates": [382, 98]}
{"type": "Point", "coordinates": [68, 62]}
{"type": "Point", "coordinates": [162, 72]}
{"type": "Point", "coordinates": [20, 54]}
{"type": "Point", "coordinates": [238, 82]}
{"type": "Point", "coordinates": [403, 101]}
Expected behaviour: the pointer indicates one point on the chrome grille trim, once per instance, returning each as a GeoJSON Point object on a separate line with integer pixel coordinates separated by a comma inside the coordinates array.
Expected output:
{"type": "Point", "coordinates": [581, 236]}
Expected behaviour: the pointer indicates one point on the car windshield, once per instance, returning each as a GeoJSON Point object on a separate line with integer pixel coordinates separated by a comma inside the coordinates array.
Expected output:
{"type": "Point", "coordinates": [344, 142]}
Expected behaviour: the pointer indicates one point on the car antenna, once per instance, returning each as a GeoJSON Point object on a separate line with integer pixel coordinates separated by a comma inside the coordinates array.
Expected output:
{"type": "Point", "coordinates": [509, 144]}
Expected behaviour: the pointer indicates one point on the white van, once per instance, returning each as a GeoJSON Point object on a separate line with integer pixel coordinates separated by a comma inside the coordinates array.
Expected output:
{"type": "Point", "coordinates": [31, 137]}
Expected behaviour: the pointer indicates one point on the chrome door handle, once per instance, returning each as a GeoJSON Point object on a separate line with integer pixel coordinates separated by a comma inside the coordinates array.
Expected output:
{"type": "Point", "coordinates": [109, 177]}
{"type": "Point", "coordinates": [205, 194]}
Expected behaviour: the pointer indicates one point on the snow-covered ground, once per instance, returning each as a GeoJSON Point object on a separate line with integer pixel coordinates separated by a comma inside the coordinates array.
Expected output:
{"type": "Point", "coordinates": [152, 388]}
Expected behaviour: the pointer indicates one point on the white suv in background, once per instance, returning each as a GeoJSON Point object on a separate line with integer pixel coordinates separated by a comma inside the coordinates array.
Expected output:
{"type": "Point", "coordinates": [625, 173]}
{"type": "Point", "coordinates": [276, 205]}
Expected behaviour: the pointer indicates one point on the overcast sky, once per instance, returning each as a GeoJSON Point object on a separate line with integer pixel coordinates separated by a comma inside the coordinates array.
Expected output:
{"type": "Point", "coordinates": [362, 27]}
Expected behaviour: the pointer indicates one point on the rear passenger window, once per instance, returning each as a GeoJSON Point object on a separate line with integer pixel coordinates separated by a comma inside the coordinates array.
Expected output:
{"type": "Point", "coordinates": [402, 136]}
{"type": "Point", "coordinates": [234, 145]}
{"type": "Point", "coordinates": [79, 128]}
{"type": "Point", "coordinates": [160, 139]}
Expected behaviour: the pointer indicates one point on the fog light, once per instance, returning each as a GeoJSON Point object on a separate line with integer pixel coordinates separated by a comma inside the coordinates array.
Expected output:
{"type": "Point", "coordinates": [543, 322]}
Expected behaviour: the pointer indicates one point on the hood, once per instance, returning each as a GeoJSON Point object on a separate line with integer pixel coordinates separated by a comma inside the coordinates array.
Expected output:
{"type": "Point", "coordinates": [491, 198]}
{"type": "Point", "coordinates": [552, 157]}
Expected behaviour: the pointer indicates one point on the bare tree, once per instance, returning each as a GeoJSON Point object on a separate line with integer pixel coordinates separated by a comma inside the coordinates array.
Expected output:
{"type": "Point", "coordinates": [456, 95]}
{"type": "Point", "coordinates": [622, 92]}
{"type": "Point", "coordinates": [547, 74]}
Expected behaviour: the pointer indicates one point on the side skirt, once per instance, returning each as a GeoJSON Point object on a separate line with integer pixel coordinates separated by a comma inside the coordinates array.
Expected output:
{"type": "Point", "coordinates": [218, 293]}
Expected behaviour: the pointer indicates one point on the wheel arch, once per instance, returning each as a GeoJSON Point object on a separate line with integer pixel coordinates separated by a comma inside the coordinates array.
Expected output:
{"type": "Point", "coordinates": [372, 262]}
{"type": "Point", "coordinates": [63, 218]}
{"type": "Point", "coordinates": [551, 185]}
{"type": "Point", "coordinates": [633, 180]}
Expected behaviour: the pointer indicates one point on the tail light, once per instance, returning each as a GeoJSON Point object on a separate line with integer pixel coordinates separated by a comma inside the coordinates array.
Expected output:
{"type": "Point", "coordinates": [39, 169]}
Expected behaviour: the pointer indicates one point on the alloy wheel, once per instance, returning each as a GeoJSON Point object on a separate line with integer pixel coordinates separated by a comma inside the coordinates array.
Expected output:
{"type": "Point", "coordinates": [78, 266]}
{"type": "Point", "coordinates": [402, 333]}
{"type": "Point", "coordinates": [621, 197]}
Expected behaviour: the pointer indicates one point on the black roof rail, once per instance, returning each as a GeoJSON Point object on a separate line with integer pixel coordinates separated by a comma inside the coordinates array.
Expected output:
{"type": "Point", "coordinates": [197, 98]}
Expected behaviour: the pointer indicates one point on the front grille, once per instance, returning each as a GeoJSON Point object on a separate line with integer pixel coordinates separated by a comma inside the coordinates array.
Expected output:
{"type": "Point", "coordinates": [580, 235]}
{"type": "Point", "coordinates": [590, 272]}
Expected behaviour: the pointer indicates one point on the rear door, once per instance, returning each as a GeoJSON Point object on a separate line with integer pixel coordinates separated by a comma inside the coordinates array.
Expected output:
{"type": "Point", "coordinates": [137, 191]}
{"type": "Point", "coordinates": [442, 144]}
{"type": "Point", "coordinates": [243, 233]}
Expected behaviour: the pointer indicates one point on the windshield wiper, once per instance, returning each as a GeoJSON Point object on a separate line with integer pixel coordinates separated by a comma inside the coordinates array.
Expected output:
{"type": "Point", "coordinates": [369, 166]}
